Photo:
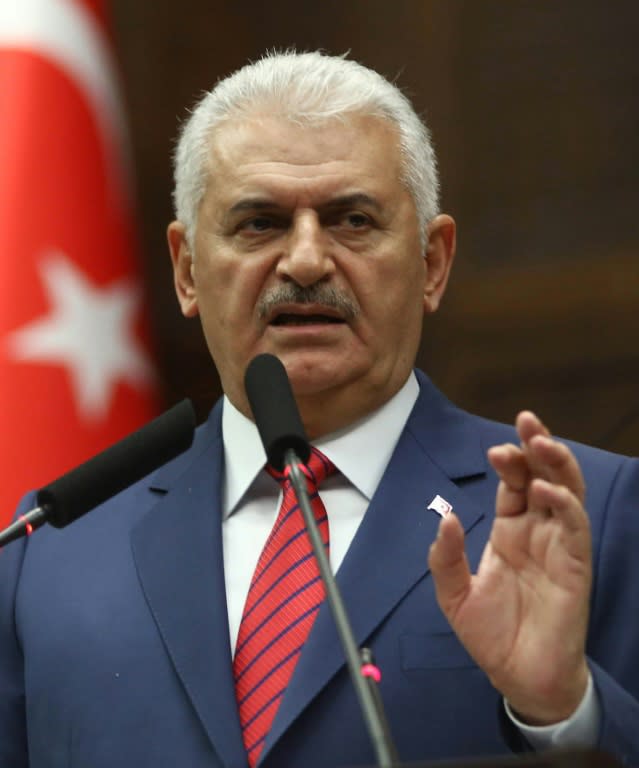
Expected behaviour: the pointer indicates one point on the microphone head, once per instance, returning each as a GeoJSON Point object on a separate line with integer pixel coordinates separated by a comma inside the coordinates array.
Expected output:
{"type": "Point", "coordinates": [275, 411]}
{"type": "Point", "coordinates": [119, 466]}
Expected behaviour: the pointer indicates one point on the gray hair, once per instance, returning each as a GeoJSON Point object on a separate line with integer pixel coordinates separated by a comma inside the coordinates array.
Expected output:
{"type": "Point", "coordinates": [308, 88]}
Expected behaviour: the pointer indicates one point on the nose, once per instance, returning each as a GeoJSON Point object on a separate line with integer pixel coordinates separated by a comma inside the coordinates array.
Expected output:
{"type": "Point", "coordinates": [306, 259]}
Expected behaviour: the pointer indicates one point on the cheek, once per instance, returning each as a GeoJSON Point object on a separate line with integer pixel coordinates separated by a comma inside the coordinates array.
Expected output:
{"type": "Point", "coordinates": [393, 292]}
{"type": "Point", "coordinates": [228, 296]}
{"type": "Point", "coordinates": [229, 290]}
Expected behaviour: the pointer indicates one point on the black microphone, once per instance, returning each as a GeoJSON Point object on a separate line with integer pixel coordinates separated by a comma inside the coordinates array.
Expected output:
{"type": "Point", "coordinates": [282, 433]}
{"type": "Point", "coordinates": [275, 410]}
{"type": "Point", "coordinates": [83, 488]}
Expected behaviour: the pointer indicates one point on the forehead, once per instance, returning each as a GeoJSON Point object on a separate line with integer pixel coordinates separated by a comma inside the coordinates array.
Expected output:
{"type": "Point", "coordinates": [273, 155]}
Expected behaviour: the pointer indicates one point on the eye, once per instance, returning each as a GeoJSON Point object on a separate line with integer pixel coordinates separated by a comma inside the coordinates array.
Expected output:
{"type": "Point", "coordinates": [358, 220]}
{"type": "Point", "coordinates": [354, 220]}
{"type": "Point", "coordinates": [258, 224]}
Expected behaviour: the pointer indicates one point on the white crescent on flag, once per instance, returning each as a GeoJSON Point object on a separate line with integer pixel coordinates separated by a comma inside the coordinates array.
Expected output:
{"type": "Point", "coordinates": [75, 369]}
{"type": "Point", "coordinates": [46, 27]}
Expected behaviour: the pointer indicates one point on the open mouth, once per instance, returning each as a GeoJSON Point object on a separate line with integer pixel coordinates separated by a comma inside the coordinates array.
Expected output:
{"type": "Point", "coordinates": [293, 319]}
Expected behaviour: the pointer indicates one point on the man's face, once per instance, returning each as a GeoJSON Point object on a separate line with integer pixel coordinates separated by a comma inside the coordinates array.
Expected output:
{"type": "Point", "coordinates": [308, 247]}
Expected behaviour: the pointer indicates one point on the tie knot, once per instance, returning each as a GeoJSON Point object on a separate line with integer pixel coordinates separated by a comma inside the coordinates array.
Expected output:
{"type": "Point", "coordinates": [317, 469]}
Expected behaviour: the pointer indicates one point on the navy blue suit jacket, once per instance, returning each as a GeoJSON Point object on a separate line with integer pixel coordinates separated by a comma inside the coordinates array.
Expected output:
{"type": "Point", "coordinates": [114, 642]}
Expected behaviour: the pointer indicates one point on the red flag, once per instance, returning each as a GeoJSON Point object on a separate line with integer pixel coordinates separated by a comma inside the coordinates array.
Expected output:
{"type": "Point", "coordinates": [75, 372]}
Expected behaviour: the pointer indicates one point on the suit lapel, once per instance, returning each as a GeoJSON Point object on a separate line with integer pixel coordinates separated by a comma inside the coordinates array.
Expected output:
{"type": "Point", "coordinates": [439, 447]}
{"type": "Point", "coordinates": [177, 548]}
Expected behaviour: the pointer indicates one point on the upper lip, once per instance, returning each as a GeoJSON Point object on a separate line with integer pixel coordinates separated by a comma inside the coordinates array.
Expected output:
{"type": "Point", "coordinates": [302, 310]}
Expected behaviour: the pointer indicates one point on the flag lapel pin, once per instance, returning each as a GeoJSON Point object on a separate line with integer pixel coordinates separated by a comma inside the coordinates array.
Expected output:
{"type": "Point", "coordinates": [441, 506]}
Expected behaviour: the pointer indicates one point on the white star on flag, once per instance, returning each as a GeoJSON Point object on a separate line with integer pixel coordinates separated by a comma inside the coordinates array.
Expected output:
{"type": "Point", "coordinates": [75, 375]}
{"type": "Point", "coordinates": [441, 506]}
{"type": "Point", "coordinates": [89, 330]}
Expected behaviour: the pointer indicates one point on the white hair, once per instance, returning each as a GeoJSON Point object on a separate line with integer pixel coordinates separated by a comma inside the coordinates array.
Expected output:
{"type": "Point", "coordinates": [307, 88]}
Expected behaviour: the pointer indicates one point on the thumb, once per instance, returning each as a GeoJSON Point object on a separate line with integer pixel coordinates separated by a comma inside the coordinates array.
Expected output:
{"type": "Point", "coordinates": [449, 566]}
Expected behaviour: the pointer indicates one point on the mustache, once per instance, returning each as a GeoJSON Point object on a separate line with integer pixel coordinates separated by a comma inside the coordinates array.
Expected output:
{"type": "Point", "coordinates": [291, 293]}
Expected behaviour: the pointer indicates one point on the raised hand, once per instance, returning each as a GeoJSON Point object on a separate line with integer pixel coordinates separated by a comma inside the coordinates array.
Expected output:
{"type": "Point", "coordinates": [523, 616]}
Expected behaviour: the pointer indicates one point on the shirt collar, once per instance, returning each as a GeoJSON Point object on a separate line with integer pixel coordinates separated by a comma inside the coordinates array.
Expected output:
{"type": "Point", "coordinates": [361, 451]}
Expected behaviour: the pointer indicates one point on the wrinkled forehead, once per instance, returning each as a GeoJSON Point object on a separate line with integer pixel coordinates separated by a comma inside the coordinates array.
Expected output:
{"type": "Point", "coordinates": [361, 144]}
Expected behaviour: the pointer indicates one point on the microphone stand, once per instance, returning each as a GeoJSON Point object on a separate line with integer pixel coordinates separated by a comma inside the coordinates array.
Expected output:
{"type": "Point", "coordinates": [25, 525]}
{"type": "Point", "coordinates": [360, 664]}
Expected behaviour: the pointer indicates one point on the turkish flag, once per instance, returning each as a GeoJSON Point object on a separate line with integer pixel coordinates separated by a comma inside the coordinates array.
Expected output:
{"type": "Point", "coordinates": [75, 369]}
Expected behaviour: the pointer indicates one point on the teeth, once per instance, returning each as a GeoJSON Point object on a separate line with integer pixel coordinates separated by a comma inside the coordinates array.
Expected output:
{"type": "Point", "coordinates": [304, 319]}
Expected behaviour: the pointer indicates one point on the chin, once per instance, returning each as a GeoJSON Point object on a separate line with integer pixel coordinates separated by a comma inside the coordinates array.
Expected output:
{"type": "Point", "coordinates": [316, 371]}
{"type": "Point", "coordinates": [313, 380]}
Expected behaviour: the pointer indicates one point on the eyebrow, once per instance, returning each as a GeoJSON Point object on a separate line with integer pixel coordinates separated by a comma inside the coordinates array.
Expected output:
{"type": "Point", "coordinates": [342, 202]}
{"type": "Point", "coordinates": [251, 204]}
{"type": "Point", "coordinates": [354, 200]}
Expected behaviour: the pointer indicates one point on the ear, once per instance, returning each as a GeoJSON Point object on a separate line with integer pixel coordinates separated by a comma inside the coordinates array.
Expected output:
{"type": "Point", "coordinates": [182, 269]}
{"type": "Point", "coordinates": [439, 260]}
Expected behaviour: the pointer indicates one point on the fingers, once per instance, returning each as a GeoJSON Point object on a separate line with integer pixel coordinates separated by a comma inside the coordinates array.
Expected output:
{"type": "Point", "coordinates": [528, 425]}
{"type": "Point", "coordinates": [560, 502]}
{"type": "Point", "coordinates": [449, 566]}
{"type": "Point", "coordinates": [539, 456]}
{"type": "Point", "coordinates": [547, 457]}
{"type": "Point", "coordinates": [510, 464]}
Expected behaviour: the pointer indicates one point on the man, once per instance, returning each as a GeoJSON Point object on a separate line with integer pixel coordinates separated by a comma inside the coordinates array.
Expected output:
{"type": "Point", "coordinates": [307, 227]}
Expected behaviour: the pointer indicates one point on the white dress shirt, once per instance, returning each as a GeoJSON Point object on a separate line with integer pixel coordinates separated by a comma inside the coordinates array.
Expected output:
{"type": "Point", "coordinates": [251, 497]}
{"type": "Point", "coordinates": [251, 500]}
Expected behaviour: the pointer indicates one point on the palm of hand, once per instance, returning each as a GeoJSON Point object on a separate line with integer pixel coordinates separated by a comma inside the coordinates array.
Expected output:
{"type": "Point", "coordinates": [523, 615]}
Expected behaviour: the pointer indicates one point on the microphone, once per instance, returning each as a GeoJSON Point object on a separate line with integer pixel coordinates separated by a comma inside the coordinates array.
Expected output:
{"type": "Point", "coordinates": [275, 410]}
{"type": "Point", "coordinates": [109, 472]}
{"type": "Point", "coordinates": [282, 433]}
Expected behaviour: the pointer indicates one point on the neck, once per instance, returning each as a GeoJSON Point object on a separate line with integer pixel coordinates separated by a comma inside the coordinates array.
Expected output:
{"type": "Point", "coordinates": [325, 413]}
{"type": "Point", "coordinates": [330, 411]}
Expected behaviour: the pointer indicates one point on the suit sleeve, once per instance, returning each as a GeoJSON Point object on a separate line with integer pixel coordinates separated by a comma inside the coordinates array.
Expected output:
{"type": "Point", "coordinates": [13, 732]}
{"type": "Point", "coordinates": [613, 637]}
{"type": "Point", "coordinates": [613, 641]}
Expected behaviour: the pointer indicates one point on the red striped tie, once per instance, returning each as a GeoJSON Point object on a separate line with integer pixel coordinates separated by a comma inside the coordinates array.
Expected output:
{"type": "Point", "coordinates": [284, 597]}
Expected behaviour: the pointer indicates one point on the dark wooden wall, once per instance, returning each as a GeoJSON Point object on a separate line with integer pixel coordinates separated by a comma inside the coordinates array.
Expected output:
{"type": "Point", "coordinates": [534, 107]}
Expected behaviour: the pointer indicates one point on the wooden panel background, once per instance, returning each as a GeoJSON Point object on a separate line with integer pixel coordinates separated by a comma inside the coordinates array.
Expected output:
{"type": "Point", "coordinates": [535, 113]}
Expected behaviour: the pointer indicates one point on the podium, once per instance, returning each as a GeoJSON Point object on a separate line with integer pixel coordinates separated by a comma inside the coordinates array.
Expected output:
{"type": "Point", "coordinates": [572, 758]}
